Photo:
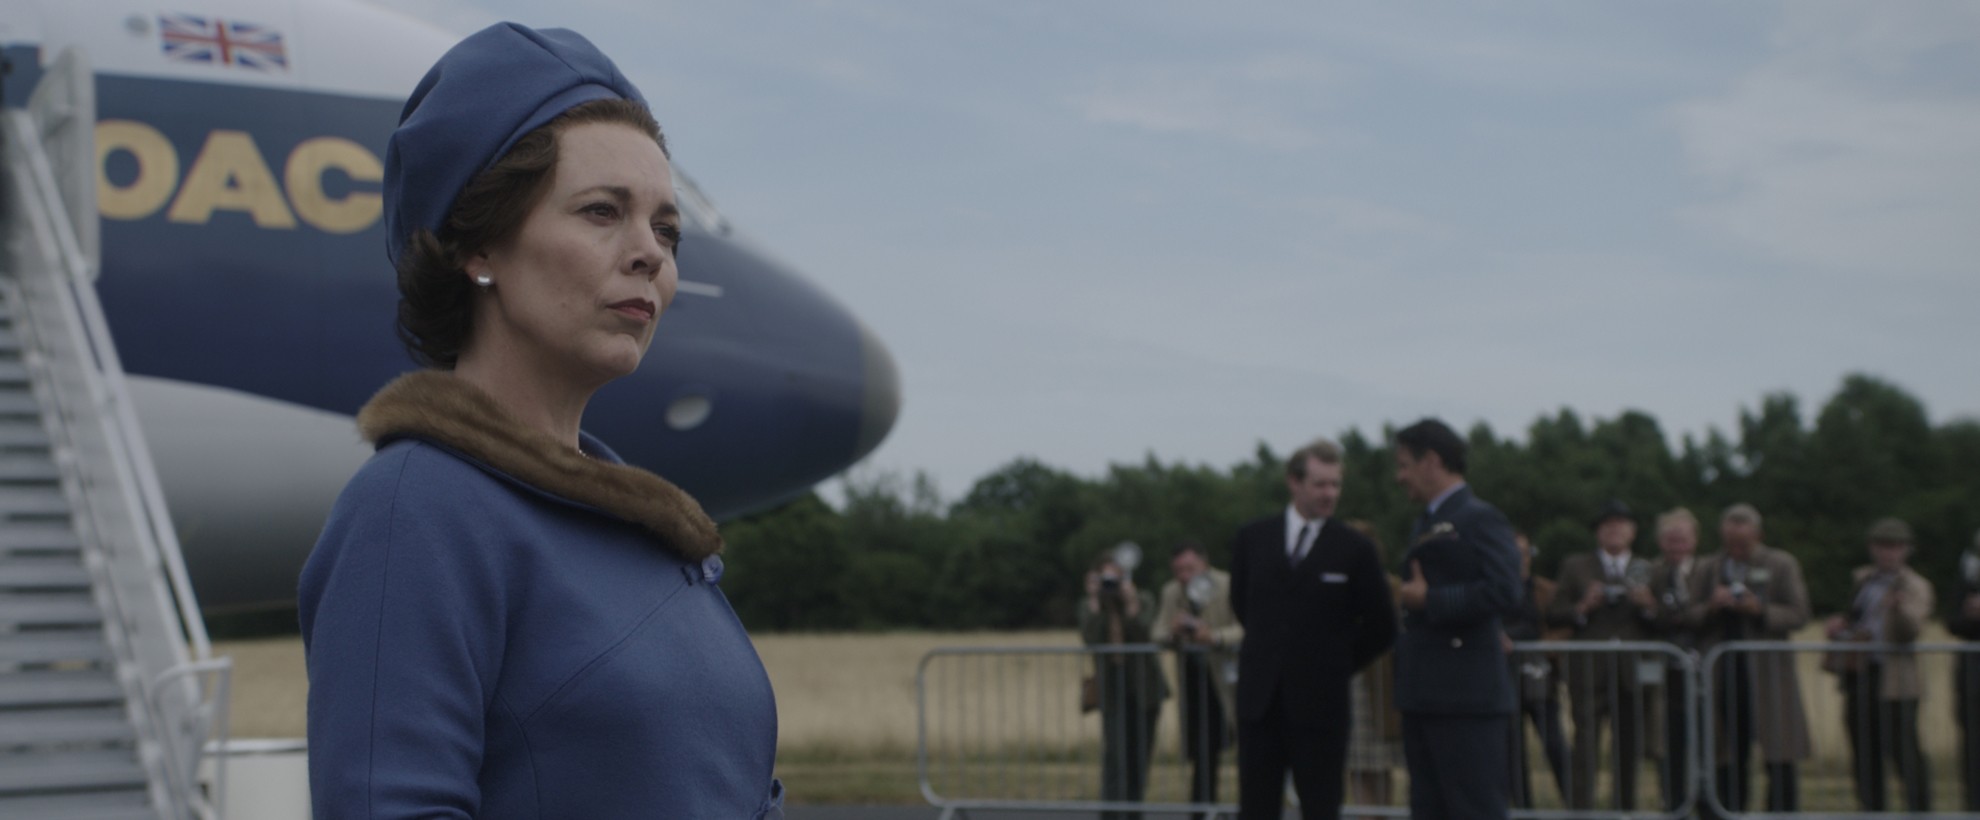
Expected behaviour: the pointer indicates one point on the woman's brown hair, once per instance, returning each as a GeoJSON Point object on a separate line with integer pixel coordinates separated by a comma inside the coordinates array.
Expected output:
{"type": "Point", "coordinates": [436, 299]}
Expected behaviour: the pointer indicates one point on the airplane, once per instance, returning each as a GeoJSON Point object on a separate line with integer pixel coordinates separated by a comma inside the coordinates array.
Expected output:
{"type": "Point", "coordinates": [239, 149]}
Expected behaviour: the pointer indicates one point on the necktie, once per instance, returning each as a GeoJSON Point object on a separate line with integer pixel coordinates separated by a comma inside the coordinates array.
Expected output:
{"type": "Point", "coordinates": [1304, 543]}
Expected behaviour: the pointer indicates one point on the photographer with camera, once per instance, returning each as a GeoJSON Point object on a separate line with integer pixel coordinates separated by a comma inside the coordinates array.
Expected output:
{"type": "Point", "coordinates": [1196, 619]}
{"type": "Point", "coordinates": [1127, 688]}
{"type": "Point", "coordinates": [1671, 579]}
{"type": "Point", "coordinates": [1880, 689]}
{"type": "Point", "coordinates": [1752, 592]}
{"type": "Point", "coordinates": [1604, 595]}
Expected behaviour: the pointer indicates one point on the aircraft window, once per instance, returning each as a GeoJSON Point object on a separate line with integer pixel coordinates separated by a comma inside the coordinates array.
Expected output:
{"type": "Point", "coordinates": [695, 207]}
{"type": "Point", "coordinates": [689, 411]}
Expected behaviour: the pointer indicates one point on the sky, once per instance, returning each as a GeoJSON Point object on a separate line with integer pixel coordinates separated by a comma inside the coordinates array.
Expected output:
{"type": "Point", "coordinates": [1094, 231]}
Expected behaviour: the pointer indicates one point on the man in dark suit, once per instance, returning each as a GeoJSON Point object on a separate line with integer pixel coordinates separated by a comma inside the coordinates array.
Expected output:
{"type": "Point", "coordinates": [1314, 601]}
{"type": "Point", "coordinates": [1461, 575]}
{"type": "Point", "coordinates": [1604, 595]}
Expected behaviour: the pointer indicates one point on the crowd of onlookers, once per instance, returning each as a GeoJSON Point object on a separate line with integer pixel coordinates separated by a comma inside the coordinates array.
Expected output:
{"type": "Point", "coordinates": [1289, 655]}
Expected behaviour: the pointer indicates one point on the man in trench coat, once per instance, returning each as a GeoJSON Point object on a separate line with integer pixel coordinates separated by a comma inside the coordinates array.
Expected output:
{"type": "Point", "coordinates": [1752, 592]}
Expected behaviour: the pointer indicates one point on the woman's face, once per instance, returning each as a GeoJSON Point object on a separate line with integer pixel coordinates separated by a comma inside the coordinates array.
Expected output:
{"type": "Point", "coordinates": [578, 288]}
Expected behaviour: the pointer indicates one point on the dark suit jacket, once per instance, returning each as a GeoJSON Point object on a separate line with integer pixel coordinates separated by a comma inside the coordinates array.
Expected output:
{"type": "Point", "coordinates": [1448, 660]}
{"type": "Point", "coordinates": [1307, 629]}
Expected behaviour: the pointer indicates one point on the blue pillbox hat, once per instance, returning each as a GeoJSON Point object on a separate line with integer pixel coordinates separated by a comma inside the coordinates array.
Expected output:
{"type": "Point", "coordinates": [485, 93]}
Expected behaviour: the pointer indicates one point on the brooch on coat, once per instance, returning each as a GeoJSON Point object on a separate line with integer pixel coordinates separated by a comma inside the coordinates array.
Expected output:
{"type": "Point", "coordinates": [1443, 530]}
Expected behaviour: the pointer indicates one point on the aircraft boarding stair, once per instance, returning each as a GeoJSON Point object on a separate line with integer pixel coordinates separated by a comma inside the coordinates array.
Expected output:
{"type": "Point", "coordinates": [108, 694]}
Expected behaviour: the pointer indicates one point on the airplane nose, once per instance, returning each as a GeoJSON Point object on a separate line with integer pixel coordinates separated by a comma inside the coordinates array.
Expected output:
{"type": "Point", "coordinates": [880, 402]}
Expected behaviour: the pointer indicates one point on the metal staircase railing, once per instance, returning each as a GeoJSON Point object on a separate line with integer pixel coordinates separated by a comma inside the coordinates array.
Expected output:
{"type": "Point", "coordinates": [108, 688]}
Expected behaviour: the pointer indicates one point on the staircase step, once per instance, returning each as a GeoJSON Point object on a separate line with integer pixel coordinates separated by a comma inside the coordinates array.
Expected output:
{"type": "Point", "coordinates": [43, 573]}
{"type": "Point", "coordinates": [38, 536]}
{"type": "Point", "coordinates": [128, 804]}
{"type": "Point", "coordinates": [9, 341]}
{"type": "Point", "coordinates": [18, 401]}
{"type": "Point", "coordinates": [22, 432]}
{"type": "Point", "coordinates": [54, 646]}
{"type": "Point", "coordinates": [24, 467]}
{"type": "Point", "coordinates": [60, 609]}
{"type": "Point", "coordinates": [69, 728]}
{"type": "Point", "coordinates": [32, 500]}
{"type": "Point", "coordinates": [13, 373]}
{"type": "Point", "coordinates": [64, 688]}
{"type": "Point", "coordinates": [70, 771]}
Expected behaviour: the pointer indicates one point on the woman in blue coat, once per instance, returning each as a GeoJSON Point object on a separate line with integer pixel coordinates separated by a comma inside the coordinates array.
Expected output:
{"type": "Point", "coordinates": [502, 619]}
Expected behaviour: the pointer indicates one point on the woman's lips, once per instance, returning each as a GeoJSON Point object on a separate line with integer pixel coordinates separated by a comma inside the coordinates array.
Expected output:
{"type": "Point", "coordinates": [639, 309]}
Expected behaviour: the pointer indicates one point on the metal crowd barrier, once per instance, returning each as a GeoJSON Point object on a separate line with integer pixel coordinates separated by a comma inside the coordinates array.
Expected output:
{"type": "Point", "coordinates": [1606, 724]}
{"type": "Point", "coordinates": [1005, 729]}
{"type": "Point", "coordinates": [1605, 729]}
{"type": "Point", "coordinates": [1879, 740]}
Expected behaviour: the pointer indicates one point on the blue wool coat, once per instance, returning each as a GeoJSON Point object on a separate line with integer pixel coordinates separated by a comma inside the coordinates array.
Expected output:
{"type": "Point", "coordinates": [499, 628]}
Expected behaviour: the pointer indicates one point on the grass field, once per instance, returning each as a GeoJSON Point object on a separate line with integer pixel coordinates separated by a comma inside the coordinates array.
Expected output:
{"type": "Point", "coordinates": [848, 720]}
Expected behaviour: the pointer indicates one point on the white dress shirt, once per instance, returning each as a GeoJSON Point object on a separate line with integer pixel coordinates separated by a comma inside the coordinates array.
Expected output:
{"type": "Point", "coordinates": [1296, 545]}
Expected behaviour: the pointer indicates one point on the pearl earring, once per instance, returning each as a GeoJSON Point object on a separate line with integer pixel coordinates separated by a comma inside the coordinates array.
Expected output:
{"type": "Point", "coordinates": [484, 280]}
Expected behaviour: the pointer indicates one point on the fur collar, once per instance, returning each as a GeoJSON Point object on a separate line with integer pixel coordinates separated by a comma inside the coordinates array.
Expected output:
{"type": "Point", "coordinates": [442, 408]}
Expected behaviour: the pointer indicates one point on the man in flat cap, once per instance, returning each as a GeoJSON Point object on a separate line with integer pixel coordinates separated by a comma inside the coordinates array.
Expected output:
{"type": "Point", "coordinates": [1964, 621]}
{"type": "Point", "coordinates": [1880, 689]}
{"type": "Point", "coordinates": [1752, 592]}
{"type": "Point", "coordinates": [1604, 595]}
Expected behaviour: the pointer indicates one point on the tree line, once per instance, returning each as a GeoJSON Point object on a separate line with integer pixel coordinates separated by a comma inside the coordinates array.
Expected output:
{"type": "Point", "coordinates": [1011, 553]}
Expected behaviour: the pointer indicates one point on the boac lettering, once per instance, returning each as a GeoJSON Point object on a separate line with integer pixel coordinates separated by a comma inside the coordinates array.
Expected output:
{"type": "Point", "coordinates": [231, 174]}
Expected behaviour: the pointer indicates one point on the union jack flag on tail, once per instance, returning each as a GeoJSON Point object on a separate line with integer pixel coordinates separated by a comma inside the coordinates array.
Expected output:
{"type": "Point", "coordinates": [192, 39]}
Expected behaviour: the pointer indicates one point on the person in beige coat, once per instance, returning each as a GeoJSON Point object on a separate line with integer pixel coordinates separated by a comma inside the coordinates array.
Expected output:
{"type": "Point", "coordinates": [1880, 689]}
{"type": "Point", "coordinates": [1752, 592]}
{"type": "Point", "coordinates": [1195, 618]}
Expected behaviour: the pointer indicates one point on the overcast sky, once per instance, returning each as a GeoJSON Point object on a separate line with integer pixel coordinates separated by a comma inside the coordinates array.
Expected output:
{"type": "Point", "coordinates": [1089, 231]}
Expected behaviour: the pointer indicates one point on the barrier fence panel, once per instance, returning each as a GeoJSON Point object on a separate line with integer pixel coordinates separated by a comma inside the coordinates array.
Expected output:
{"type": "Point", "coordinates": [1604, 729]}
{"type": "Point", "coordinates": [1096, 729]}
{"type": "Point", "coordinates": [1841, 729]}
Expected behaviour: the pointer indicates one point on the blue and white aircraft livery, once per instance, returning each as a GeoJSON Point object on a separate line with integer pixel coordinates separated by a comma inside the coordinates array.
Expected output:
{"type": "Point", "coordinates": [239, 148]}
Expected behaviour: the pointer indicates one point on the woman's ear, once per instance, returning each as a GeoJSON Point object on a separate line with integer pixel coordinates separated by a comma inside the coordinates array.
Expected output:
{"type": "Point", "coordinates": [479, 270]}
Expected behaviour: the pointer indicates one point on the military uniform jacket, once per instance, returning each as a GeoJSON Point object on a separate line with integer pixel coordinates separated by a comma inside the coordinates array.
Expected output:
{"type": "Point", "coordinates": [1448, 658]}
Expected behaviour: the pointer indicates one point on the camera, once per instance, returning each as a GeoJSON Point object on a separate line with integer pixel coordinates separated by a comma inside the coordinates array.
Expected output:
{"type": "Point", "coordinates": [1613, 593]}
{"type": "Point", "coordinates": [1738, 589]}
{"type": "Point", "coordinates": [1110, 582]}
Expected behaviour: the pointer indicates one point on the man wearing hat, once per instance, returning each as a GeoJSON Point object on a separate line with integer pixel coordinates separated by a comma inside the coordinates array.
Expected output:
{"type": "Point", "coordinates": [1752, 592]}
{"type": "Point", "coordinates": [1604, 595]}
{"type": "Point", "coordinates": [1880, 689]}
{"type": "Point", "coordinates": [1964, 621]}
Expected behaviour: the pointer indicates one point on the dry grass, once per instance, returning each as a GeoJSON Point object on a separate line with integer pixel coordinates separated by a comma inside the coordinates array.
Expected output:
{"type": "Point", "coordinates": [271, 690]}
{"type": "Point", "coordinates": [847, 717]}
{"type": "Point", "coordinates": [845, 704]}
